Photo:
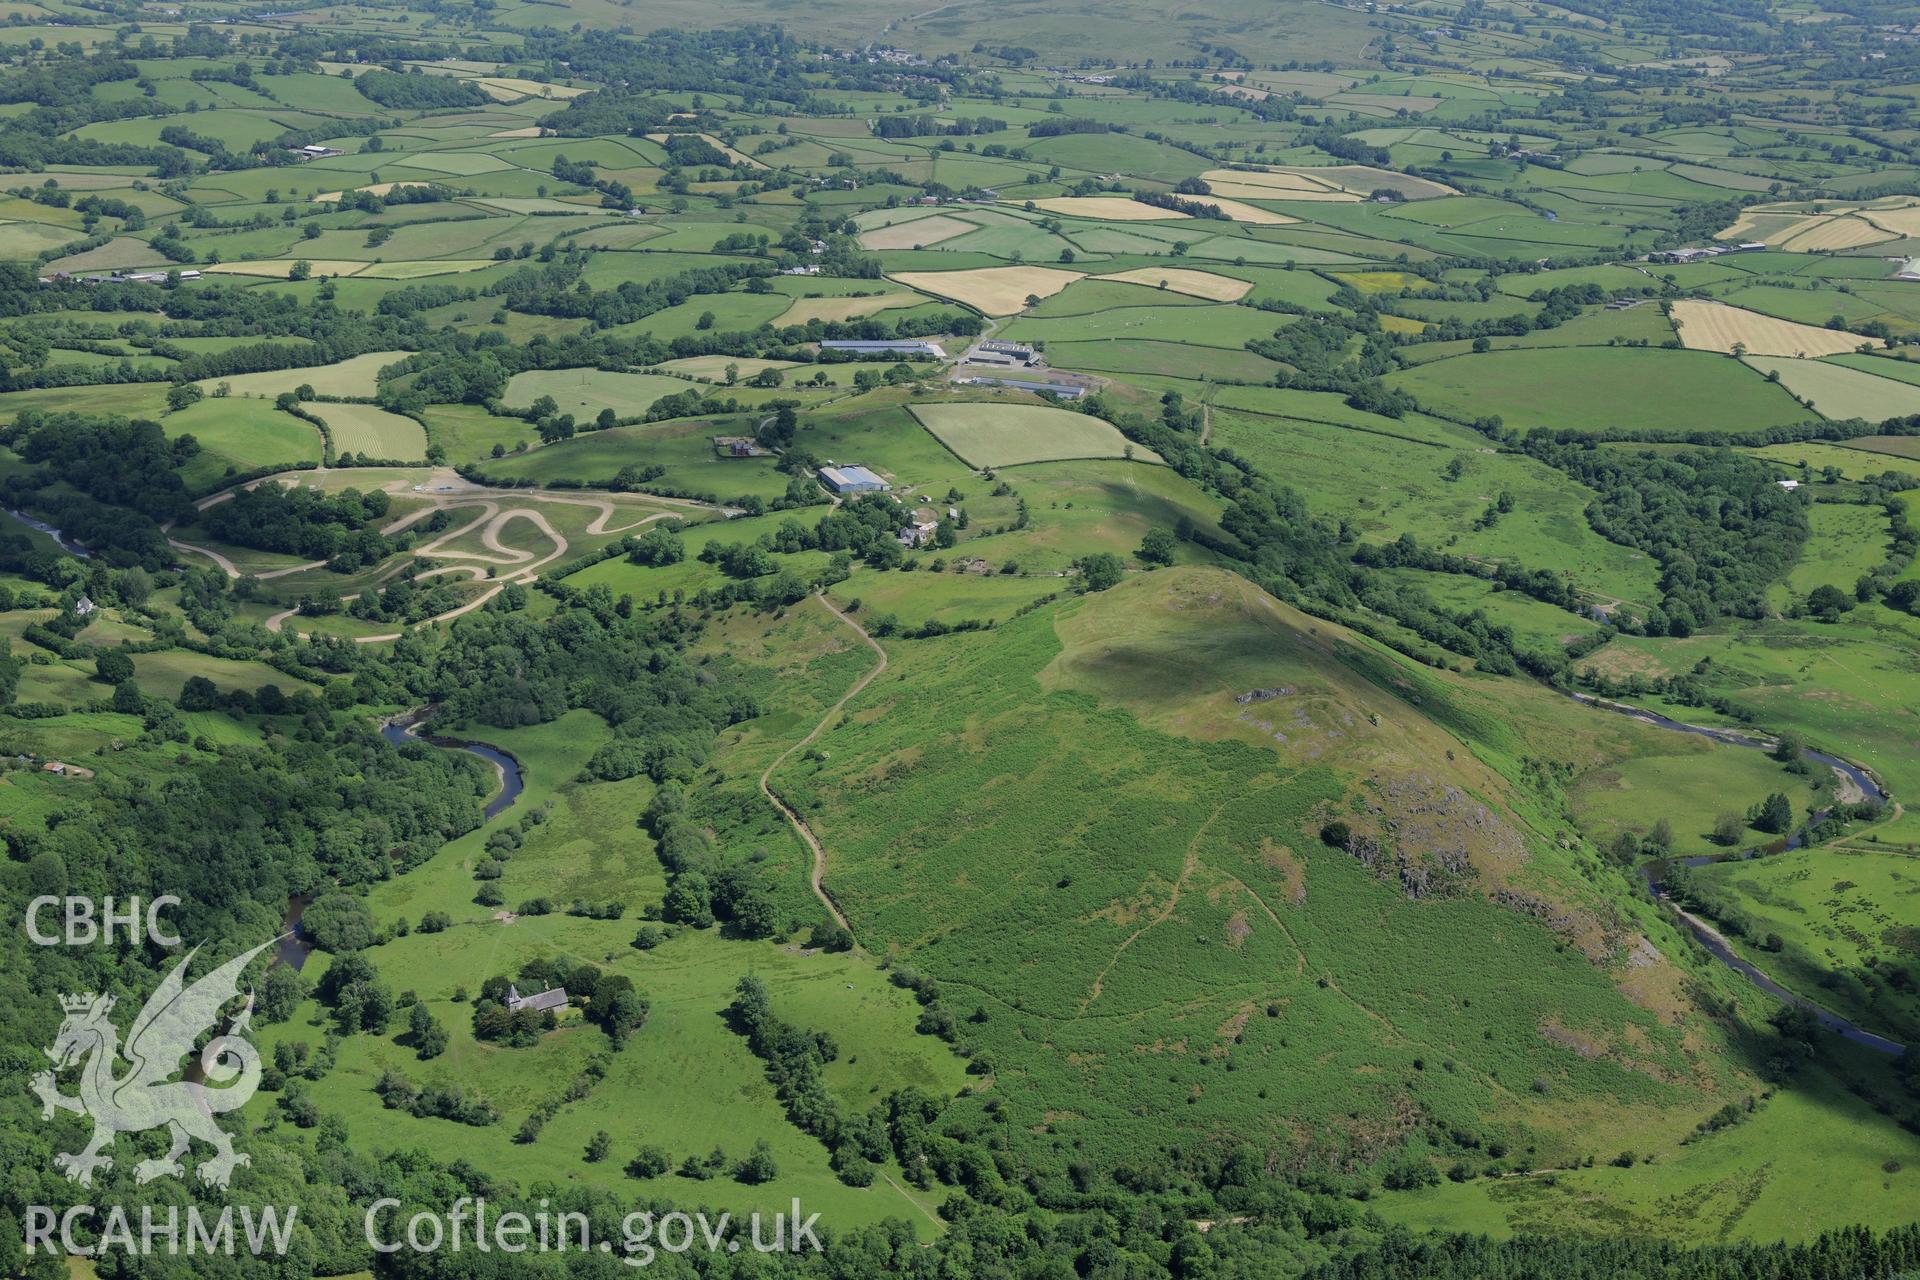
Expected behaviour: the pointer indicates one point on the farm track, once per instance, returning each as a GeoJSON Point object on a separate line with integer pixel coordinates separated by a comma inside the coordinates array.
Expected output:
{"type": "Point", "coordinates": [1189, 864]}
{"type": "Point", "coordinates": [819, 872]}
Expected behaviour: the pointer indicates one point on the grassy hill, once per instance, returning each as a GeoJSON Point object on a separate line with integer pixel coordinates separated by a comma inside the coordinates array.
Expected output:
{"type": "Point", "coordinates": [1111, 845]}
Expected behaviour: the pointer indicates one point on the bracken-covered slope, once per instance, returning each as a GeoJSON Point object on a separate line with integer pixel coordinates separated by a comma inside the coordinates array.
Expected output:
{"type": "Point", "coordinates": [1105, 833]}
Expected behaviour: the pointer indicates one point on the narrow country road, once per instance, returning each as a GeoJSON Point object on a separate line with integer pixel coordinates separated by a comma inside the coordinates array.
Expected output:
{"type": "Point", "coordinates": [766, 789]}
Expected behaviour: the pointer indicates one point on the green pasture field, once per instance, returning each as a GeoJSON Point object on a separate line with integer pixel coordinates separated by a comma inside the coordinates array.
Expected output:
{"type": "Point", "coordinates": [731, 311]}
{"type": "Point", "coordinates": [1733, 1186]}
{"type": "Point", "coordinates": [1300, 288]}
{"type": "Point", "coordinates": [240, 434]}
{"type": "Point", "coordinates": [1104, 153]}
{"type": "Point", "coordinates": [144, 365]}
{"type": "Point", "coordinates": [25, 240]}
{"type": "Point", "coordinates": [585, 392]}
{"type": "Point", "coordinates": [1841, 687]}
{"type": "Point", "coordinates": [1387, 486]}
{"type": "Point", "coordinates": [1333, 409]}
{"type": "Point", "coordinates": [1838, 392]}
{"type": "Point", "coordinates": [237, 128]}
{"type": "Point", "coordinates": [1603, 389]}
{"type": "Point", "coordinates": [119, 252]}
{"type": "Point", "coordinates": [60, 683]}
{"type": "Point", "coordinates": [1839, 914]}
{"type": "Point", "coordinates": [163, 674]}
{"type": "Point", "coordinates": [1854, 459]}
{"type": "Point", "coordinates": [468, 433]}
{"type": "Point", "coordinates": [371, 431]}
{"type": "Point", "coordinates": [1848, 541]}
{"type": "Point", "coordinates": [1004, 435]}
{"type": "Point", "coordinates": [107, 631]}
{"type": "Point", "coordinates": [951, 596]}
{"type": "Point", "coordinates": [714, 368]}
{"type": "Point", "coordinates": [1524, 284]}
{"type": "Point", "coordinates": [1093, 298]}
{"type": "Point", "coordinates": [684, 448]}
{"type": "Point", "coordinates": [1807, 306]}
{"type": "Point", "coordinates": [688, 981]}
{"type": "Point", "coordinates": [1886, 367]}
{"type": "Point", "coordinates": [877, 430]}
{"type": "Point", "coordinates": [1534, 622]}
{"type": "Point", "coordinates": [1079, 508]}
{"type": "Point", "coordinates": [1210, 326]}
{"type": "Point", "coordinates": [354, 377]}
{"type": "Point", "coordinates": [1690, 781]}
{"type": "Point", "coordinates": [1898, 450]}
{"type": "Point", "coordinates": [1172, 359]}
{"type": "Point", "coordinates": [1641, 325]}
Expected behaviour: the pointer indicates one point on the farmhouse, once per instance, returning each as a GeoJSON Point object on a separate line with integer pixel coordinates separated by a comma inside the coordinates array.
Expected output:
{"type": "Point", "coordinates": [314, 151]}
{"type": "Point", "coordinates": [851, 479]}
{"type": "Point", "coordinates": [551, 998]}
{"type": "Point", "coordinates": [918, 534]}
{"type": "Point", "coordinates": [890, 346]}
{"type": "Point", "coordinates": [66, 770]}
{"type": "Point", "coordinates": [84, 607]}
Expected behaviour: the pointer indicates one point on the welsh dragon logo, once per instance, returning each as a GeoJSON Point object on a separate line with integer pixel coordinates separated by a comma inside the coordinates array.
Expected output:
{"type": "Point", "coordinates": [147, 1096]}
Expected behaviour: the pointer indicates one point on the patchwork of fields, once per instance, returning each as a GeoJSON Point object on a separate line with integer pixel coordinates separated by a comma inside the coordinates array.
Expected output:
{"type": "Point", "coordinates": [1141, 831]}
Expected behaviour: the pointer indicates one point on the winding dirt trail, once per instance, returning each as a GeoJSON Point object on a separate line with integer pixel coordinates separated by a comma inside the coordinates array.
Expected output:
{"type": "Point", "coordinates": [766, 789]}
{"type": "Point", "coordinates": [446, 491]}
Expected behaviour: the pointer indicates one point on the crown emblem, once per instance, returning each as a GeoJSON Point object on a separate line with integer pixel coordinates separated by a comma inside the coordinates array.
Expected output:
{"type": "Point", "coordinates": [145, 1096]}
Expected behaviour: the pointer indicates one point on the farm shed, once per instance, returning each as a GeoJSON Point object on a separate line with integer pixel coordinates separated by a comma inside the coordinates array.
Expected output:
{"type": "Point", "coordinates": [851, 479]}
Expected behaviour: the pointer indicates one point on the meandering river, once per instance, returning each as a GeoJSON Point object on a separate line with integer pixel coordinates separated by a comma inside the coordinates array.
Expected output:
{"type": "Point", "coordinates": [1710, 937]}
{"type": "Point", "coordinates": [295, 947]}
{"type": "Point", "coordinates": [67, 544]}
{"type": "Point", "coordinates": [405, 729]}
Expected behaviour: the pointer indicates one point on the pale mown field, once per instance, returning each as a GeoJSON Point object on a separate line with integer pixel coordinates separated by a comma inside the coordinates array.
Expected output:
{"type": "Point", "coordinates": [1714, 326]}
{"type": "Point", "coordinates": [1198, 284]}
{"type": "Point", "coordinates": [996, 291]}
